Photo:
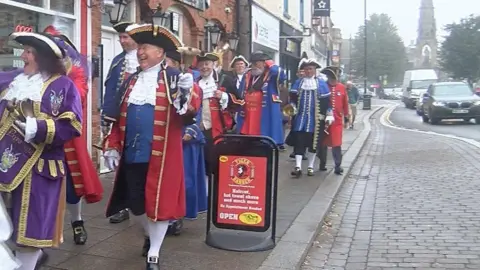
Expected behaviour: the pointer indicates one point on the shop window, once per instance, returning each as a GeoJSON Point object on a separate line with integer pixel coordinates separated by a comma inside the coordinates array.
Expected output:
{"type": "Point", "coordinates": [37, 3]}
{"type": "Point", "coordinates": [175, 24]}
{"type": "Point", "coordinates": [66, 6]}
{"type": "Point", "coordinates": [128, 15]}
{"type": "Point", "coordinates": [13, 16]}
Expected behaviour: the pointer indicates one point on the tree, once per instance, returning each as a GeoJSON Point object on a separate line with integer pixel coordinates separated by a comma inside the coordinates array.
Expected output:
{"type": "Point", "coordinates": [460, 52]}
{"type": "Point", "coordinates": [386, 53]}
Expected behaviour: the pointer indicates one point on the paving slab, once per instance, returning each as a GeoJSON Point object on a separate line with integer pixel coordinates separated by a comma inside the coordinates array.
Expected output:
{"type": "Point", "coordinates": [118, 246]}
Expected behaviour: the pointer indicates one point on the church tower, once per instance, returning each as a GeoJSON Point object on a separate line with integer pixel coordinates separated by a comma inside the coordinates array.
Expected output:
{"type": "Point", "coordinates": [426, 47]}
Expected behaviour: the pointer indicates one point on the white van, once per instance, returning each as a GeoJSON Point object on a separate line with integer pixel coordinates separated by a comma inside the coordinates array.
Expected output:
{"type": "Point", "coordinates": [415, 83]}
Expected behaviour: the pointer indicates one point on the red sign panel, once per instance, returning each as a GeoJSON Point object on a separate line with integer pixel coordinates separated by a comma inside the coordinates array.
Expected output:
{"type": "Point", "coordinates": [241, 190]}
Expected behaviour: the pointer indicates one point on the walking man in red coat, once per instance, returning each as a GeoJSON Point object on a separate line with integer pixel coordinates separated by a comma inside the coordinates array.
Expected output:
{"type": "Point", "coordinates": [339, 102]}
{"type": "Point", "coordinates": [145, 143]}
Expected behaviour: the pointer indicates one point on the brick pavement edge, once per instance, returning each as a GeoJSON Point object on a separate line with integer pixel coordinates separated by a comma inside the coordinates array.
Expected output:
{"type": "Point", "coordinates": [292, 248]}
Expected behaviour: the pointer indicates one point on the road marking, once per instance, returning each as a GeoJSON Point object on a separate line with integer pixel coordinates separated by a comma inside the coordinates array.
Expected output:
{"type": "Point", "coordinates": [385, 121]}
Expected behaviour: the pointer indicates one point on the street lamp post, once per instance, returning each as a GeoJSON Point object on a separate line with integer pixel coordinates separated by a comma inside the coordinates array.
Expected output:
{"type": "Point", "coordinates": [160, 17]}
{"type": "Point", "coordinates": [367, 99]}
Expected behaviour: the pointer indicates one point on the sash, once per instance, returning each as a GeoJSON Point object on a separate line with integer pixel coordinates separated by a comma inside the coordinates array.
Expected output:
{"type": "Point", "coordinates": [17, 157]}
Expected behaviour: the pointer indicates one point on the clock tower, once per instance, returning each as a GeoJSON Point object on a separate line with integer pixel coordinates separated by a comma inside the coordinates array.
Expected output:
{"type": "Point", "coordinates": [426, 45]}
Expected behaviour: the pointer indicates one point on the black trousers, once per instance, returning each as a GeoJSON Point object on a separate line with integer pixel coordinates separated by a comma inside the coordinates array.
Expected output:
{"type": "Point", "coordinates": [135, 178]}
{"type": "Point", "coordinates": [336, 154]}
{"type": "Point", "coordinates": [302, 141]}
{"type": "Point", "coordinates": [207, 150]}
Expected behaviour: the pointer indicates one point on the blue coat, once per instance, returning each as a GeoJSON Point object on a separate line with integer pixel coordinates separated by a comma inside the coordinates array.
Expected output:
{"type": "Point", "coordinates": [271, 121]}
{"type": "Point", "coordinates": [308, 104]}
{"type": "Point", "coordinates": [113, 82]}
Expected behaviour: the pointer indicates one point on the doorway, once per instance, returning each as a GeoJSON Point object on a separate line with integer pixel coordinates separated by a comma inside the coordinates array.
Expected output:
{"type": "Point", "coordinates": [111, 48]}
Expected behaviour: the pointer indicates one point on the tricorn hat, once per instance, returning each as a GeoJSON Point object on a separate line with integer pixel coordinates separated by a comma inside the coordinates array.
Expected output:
{"type": "Point", "coordinates": [174, 55]}
{"type": "Point", "coordinates": [238, 58]}
{"type": "Point", "coordinates": [51, 30]}
{"type": "Point", "coordinates": [332, 72]}
{"type": "Point", "coordinates": [43, 43]}
{"type": "Point", "coordinates": [259, 56]}
{"type": "Point", "coordinates": [154, 35]}
{"type": "Point", "coordinates": [207, 56]}
{"type": "Point", "coordinates": [309, 62]}
{"type": "Point", "coordinates": [121, 27]}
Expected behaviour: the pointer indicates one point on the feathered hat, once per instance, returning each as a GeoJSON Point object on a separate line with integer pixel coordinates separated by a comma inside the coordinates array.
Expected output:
{"type": "Point", "coordinates": [309, 62]}
{"type": "Point", "coordinates": [43, 43]}
{"type": "Point", "coordinates": [207, 56]}
{"type": "Point", "coordinates": [154, 35]}
{"type": "Point", "coordinates": [52, 30]}
{"type": "Point", "coordinates": [219, 53]}
{"type": "Point", "coordinates": [238, 58]}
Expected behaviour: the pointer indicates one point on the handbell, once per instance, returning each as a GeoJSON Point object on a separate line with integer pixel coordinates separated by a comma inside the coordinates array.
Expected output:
{"type": "Point", "coordinates": [289, 110]}
{"type": "Point", "coordinates": [188, 56]}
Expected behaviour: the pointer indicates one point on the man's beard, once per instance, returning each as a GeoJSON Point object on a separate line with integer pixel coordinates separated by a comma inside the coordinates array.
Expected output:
{"type": "Point", "coordinates": [256, 71]}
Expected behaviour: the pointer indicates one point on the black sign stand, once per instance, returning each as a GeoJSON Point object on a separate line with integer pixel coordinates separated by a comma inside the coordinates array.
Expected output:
{"type": "Point", "coordinates": [238, 237]}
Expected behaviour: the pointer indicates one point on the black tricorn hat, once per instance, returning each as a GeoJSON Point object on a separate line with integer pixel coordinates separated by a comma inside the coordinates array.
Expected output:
{"type": "Point", "coordinates": [154, 35]}
{"type": "Point", "coordinates": [332, 72]}
{"type": "Point", "coordinates": [121, 27]}
{"type": "Point", "coordinates": [67, 40]}
{"type": "Point", "coordinates": [174, 55]}
{"type": "Point", "coordinates": [207, 57]}
{"type": "Point", "coordinates": [309, 62]}
{"type": "Point", "coordinates": [259, 56]}
{"type": "Point", "coordinates": [43, 43]}
{"type": "Point", "coordinates": [238, 58]}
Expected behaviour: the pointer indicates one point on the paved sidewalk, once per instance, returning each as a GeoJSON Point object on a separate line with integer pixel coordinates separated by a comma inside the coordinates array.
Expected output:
{"type": "Point", "coordinates": [410, 202]}
{"type": "Point", "coordinates": [118, 246]}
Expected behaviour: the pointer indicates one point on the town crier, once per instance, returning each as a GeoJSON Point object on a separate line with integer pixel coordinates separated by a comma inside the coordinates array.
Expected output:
{"type": "Point", "coordinates": [261, 114]}
{"type": "Point", "coordinates": [219, 99]}
{"type": "Point", "coordinates": [310, 101]}
{"type": "Point", "coordinates": [340, 108]}
{"type": "Point", "coordinates": [123, 65]}
{"type": "Point", "coordinates": [82, 177]}
{"type": "Point", "coordinates": [145, 141]}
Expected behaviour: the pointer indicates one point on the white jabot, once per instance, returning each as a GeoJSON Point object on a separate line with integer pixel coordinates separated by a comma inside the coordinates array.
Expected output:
{"type": "Point", "coordinates": [239, 80]}
{"type": "Point", "coordinates": [131, 60]}
{"type": "Point", "coordinates": [208, 86]}
{"type": "Point", "coordinates": [145, 89]}
{"type": "Point", "coordinates": [309, 83]}
{"type": "Point", "coordinates": [26, 87]}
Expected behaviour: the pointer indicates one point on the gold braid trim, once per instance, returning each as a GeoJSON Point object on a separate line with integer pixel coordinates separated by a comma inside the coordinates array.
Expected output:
{"type": "Point", "coordinates": [52, 167]}
{"type": "Point", "coordinates": [50, 131]}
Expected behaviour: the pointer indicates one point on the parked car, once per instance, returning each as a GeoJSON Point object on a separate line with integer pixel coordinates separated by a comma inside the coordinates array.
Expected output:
{"type": "Point", "coordinates": [450, 100]}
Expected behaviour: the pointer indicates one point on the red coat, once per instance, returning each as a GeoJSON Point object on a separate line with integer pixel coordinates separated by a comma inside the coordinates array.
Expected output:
{"type": "Point", "coordinates": [340, 108]}
{"type": "Point", "coordinates": [82, 169]}
{"type": "Point", "coordinates": [165, 186]}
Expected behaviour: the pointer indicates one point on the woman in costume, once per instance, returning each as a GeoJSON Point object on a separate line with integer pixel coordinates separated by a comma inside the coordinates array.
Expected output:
{"type": "Point", "coordinates": [40, 111]}
{"type": "Point", "coordinates": [82, 177]}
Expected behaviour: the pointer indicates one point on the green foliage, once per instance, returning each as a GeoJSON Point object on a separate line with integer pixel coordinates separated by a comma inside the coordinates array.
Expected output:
{"type": "Point", "coordinates": [386, 54]}
{"type": "Point", "coordinates": [460, 51]}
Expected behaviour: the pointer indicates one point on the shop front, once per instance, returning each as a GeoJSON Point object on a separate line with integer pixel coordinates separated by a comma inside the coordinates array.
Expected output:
{"type": "Point", "coordinates": [290, 50]}
{"type": "Point", "coordinates": [319, 48]}
{"type": "Point", "coordinates": [265, 35]}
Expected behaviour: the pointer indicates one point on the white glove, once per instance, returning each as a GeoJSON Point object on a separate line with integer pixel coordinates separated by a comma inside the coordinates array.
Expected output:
{"type": "Point", "coordinates": [185, 81]}
{"type": "Point", "coordinates": [112, 159]}
{"type": "Point", "coordinates": [329, 119]}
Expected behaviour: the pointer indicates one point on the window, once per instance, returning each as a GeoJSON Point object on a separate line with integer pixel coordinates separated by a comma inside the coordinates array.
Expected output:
{"type": "Point", "coordinates": [13, 16]}
{"type": "Point", "coordinates": [175, 24]}
{"type": "Point", "coordinates": [452, 90]}
{"type": "Point", "coordinates": [285, 7]}
{"type": "Point", "coordinates": [302, 11]}
{"type": "Point", "coordinates": [37, 3]}
{"type": "Point", "coordinates": [66, 6]}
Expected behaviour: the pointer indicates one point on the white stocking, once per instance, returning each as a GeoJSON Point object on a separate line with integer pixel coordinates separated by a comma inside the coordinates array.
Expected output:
{"type": "Point", "coordinates": [311, 159]}
{"type": "Point", "coordinates": [142, 221]}
{"type": "Point", "coordinates": [28, 259]}
{"type": "Point", "coordinates": [298, 161]}
{"type": "Point", "coordinates": [157, 231]}
{"type": "Point", "coordinates": [75, 211]}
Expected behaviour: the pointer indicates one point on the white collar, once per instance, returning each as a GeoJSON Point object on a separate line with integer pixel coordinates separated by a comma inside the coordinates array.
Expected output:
{"type": "Point", "coordinates": [131, 61]}
{"type": "Point", "coordinates": [26, 86]}
{"type": "Point", "coordinates": [145, 89]}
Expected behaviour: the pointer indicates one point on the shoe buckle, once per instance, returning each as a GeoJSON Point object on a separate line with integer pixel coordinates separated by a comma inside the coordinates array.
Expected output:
{"type": "Point", "coordinates": [78, 230]}
{"type": "Point", "coordinates": [152, 259]}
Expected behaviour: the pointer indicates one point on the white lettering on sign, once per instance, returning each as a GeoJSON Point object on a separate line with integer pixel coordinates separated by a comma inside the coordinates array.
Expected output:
{"type": "Point", "coordinates": [17, 63]}
{"type": "Point", "coordinates": [228, 216]}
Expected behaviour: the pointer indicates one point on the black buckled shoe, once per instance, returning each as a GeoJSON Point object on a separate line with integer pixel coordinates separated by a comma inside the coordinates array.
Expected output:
{"type": "Point", "coordinates": [322, 167]}
{"type": "Point", "coordinates": [153, 263]}
{"type": "Point", "coordinates": [146, 246]}
{"type": "Point", "coordinates": [120, 217]}
{"type": "Point", "coordinates": [338, 171]}
{"type": "Point", "coordinates": [175, 228]}
{"type": "Point", "coordinates": [297, 172]}
{"type": "Point", "coordinates": [79, 233]}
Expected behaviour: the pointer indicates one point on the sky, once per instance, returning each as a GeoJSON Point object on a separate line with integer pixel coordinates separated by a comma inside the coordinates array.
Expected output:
{"type": "Point", "coordinates": [348, 14]}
